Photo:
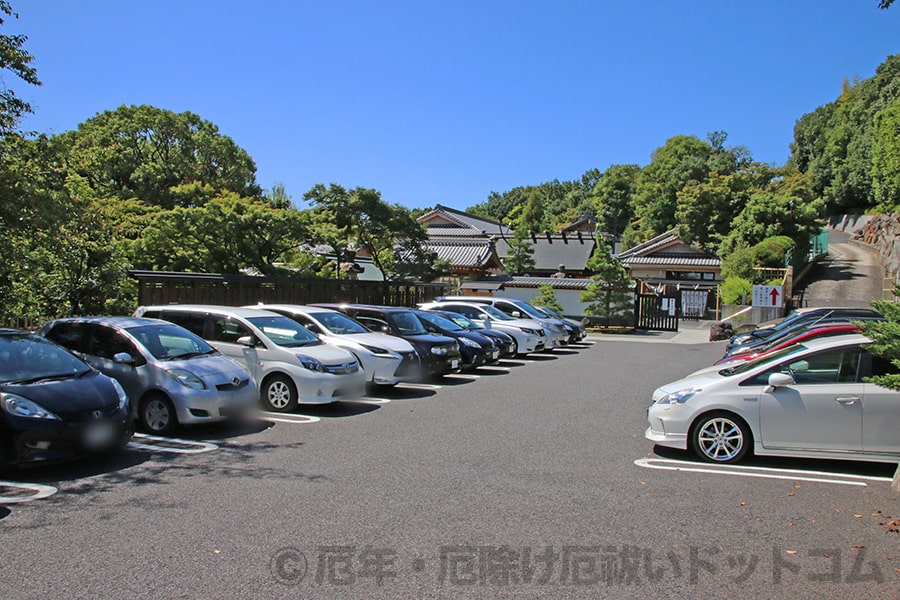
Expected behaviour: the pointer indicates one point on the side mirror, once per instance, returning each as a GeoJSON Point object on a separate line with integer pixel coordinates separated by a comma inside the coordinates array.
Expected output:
{"type": "Point", "coordinates": [777, 380]}
{"type": "Point", "coordinates": [516, 314]}
{"type": "Point", "coordinates": [312, 327]}
{"type": "Point", "coordinates": [247, 340]}
{"type": "Point", "coordinates": [123, 358]}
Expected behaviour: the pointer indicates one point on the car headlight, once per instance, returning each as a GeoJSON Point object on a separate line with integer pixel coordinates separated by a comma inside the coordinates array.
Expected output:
{"type": "Point", "coordinates": [23, 407]}
{"type": "Point", "coordinates": [377, 350]}
{"type": "Point", "coordinates": [123, 397]}
{"type": "Point", "coordinates": [469, 343]}
{"type": "Point", "coordinates": [530, 331]}
{"type": "Point", "coordinates": [679, 397]}
{"type": "Point", "coordinates": [311, 363]}
{"type": "Point", "coordinates": [187, 379]}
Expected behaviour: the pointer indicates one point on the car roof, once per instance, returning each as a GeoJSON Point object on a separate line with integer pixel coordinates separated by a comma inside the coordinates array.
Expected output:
{"type": "Point", "coordinates": [119, 322]}
{"type": "Point", "coordinates": [297, 308]}
{"type": "Point", "coordinates": [12, 331]}
{"type": "Point", "coordinates": [836, 341]}
{"type": "Point", "coordinates": [378, 307]}
{"type": "Point", "coordinates": [234, 311]}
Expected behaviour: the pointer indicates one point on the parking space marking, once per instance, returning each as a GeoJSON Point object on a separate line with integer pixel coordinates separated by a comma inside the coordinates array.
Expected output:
{"type": "Point", "coordinates": [173, 445]}
{"type": "Point", "coordinates": [367, 400]}
{"type": "Point", "coordinates": [420, 386]}
{"type": "Point", "coordinates": [39, 492]}
{"type": "Point", "coordinates": [292, 418]}
{"type": "Point", "coordinates": [760, 472]}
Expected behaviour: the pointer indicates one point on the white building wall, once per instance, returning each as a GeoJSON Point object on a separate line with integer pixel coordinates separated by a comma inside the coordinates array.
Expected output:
{"type": "Point", "coordinates": [568, 298]}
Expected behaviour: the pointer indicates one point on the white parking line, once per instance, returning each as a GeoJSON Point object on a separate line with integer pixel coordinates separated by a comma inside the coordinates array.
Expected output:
{"type": "Point", "coordinates": [367, 400]}
{"type": "Point", "coordinates": [172, 445]}
{"type": "Point", "coordinates": [40, 491]}
{"type": "Point", "coordinates": [760, 472]}
{"type": "Point", "coordinates": [294, 419]}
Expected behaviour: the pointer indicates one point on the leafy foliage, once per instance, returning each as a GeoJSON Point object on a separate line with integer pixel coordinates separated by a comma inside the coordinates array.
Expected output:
{"type": "Point", "coordinates": [15, 59]}
{"type": "Point", "coordinates": [736, 290]}
{"type": "Point", "coordinates": [611, 293]}
{"type": "Point", "coordinates": [886, 339]}
{"type": "Point", "coordinates": [546, 296]}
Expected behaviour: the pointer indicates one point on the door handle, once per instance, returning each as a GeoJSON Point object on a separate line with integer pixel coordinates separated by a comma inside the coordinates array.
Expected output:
{"type": "Point", "coordinates": [847, 400]}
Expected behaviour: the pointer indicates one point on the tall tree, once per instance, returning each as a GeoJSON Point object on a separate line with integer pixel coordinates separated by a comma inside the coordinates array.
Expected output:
{"type": "Point", "coordinates": [144, 152]}
{"type": "Point", "coordinates": [16, 60]}
{"type": "Point", "coordinates": [613, 198]}
{"type": "Point", "coordinates": [611, 292]}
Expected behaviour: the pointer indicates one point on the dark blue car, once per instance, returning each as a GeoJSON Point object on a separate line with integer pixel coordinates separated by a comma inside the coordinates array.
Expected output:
{"type": "Point", "coordinates": [53, 405]}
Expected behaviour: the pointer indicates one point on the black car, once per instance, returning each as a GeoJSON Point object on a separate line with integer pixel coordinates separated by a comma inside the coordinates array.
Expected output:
{"type": "Point", "coordinates": [504, 341]}
{"type": "Point", "coordinates": [438, 354]}
{"type": "Point", "coordinates": [55, 406]}
{"type": "Point", "coordinates": [475, 349]}
{"type": "Point", "coordinates": [798, 319]}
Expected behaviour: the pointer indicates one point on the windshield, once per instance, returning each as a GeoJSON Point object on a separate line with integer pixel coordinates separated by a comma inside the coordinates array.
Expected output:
{"type": "Point", "coordinates": [407, 323]}
{"type": "Point", "coordinates": [496, 313]}
{"type": "Point", "coordinates": [529, 309]}
{"type": "Point", "coordinates": [461, 320]}
{"type": "Point", "coordinates": [752, 364]}
{"type": "Point", "coordinates": [167, 342]}
{"type": "Point", "coordinates": [440, 322]}
{"type": "Point", "coordinates": [285, 332]}
{"type": "Point", "coordinates": [339, 323]}
{"type": "Point", "coordinates": [27, 358]}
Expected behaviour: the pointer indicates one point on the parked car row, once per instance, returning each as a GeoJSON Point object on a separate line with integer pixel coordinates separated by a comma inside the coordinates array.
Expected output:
{"type": "Point", "coordinates": [81, 384]}
{"type": "Point", "coordinates": [806, 394]}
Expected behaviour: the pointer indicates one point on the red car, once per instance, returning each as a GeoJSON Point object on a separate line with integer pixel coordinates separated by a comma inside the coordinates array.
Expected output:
{"type": "Point", "coordinates": [814, 331]}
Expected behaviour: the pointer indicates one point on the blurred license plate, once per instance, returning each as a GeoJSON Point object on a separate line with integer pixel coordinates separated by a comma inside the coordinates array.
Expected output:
{"type": "Point", "coordinates": [99, 435]}
{"type": "Point", "coordinates": [454, 364]}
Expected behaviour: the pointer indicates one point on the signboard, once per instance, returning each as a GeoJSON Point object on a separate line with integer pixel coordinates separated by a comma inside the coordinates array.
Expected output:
{"type": "Point", "coordinates": [767, 295]}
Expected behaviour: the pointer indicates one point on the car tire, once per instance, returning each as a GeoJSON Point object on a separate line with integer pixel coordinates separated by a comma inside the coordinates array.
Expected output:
{"type": "Point", "coordinates": [278, 394]}
{"type": "Point", "coordinates": [157, 415]}
{"type": "Point", "coordinates": [720, 437]}
{"type": "Point", "coordinates": [513, 349]}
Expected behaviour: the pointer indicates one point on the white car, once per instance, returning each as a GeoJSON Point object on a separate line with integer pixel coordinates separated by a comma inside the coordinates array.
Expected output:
{"type": "Point", "coordinates": [519, 309]}
{"type": "Point", "coordinates": [810, 400]}
{"type": "Point", "coordinates": [528, 335]}
{"type": "Point", "coordinates": [290, 363]}
{"type": "Point", "coordinates": [386, 359]}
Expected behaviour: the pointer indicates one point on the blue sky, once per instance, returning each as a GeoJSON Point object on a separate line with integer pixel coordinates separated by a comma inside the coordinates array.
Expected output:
{"type": "Point", "coordinates": [444, 102]}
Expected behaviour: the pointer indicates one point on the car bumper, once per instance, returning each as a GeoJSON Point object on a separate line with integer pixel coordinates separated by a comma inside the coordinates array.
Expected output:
{"type": "Point", "coordinates": [392, 370]}
{"type": "Point", "coordinates": [324, 388]}
{"type": "Point", "coordinates": [665, 430]}
{"type": "Point", "coordinates": [44, 440]}
{"type": "Point", "coordinates": [208, 406]}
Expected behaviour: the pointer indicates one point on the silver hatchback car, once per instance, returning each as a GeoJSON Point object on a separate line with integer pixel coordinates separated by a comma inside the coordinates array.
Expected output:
{"type": "Point", "coordinates": [172, 376]}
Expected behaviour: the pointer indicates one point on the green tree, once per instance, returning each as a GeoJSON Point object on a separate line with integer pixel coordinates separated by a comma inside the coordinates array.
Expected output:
{"type": "Point", "coordinates": [767, 215]}
{"type": "Point", "coordinates": [146, 153]}
{"type": "Point", "coordinates": [886, 157]}
{"type": "Point", "coordinates": [611, 293]}
{"type": "Point", "coordinates": [546, 296]}
{"type": "Point", "coordinates": [613, 198]}
{"type": "Point", "coordinates": [520, 256]}
{"type": "Point", "coordinates": [16, 60]}
{"type": "Point", "coordinates": [226, 235]}
{"type": "Point", "coordinates": [885, 336]}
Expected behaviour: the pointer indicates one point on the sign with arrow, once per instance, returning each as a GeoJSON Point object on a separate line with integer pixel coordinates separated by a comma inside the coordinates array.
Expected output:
{"type": "Point", "coordinates": [767, 295]}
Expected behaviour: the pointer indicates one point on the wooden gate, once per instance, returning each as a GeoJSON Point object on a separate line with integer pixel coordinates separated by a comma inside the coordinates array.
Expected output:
{"type": "Point", "coordinates": [656, 313]}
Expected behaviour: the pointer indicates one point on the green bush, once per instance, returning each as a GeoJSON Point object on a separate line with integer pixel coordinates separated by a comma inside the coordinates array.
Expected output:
{"type": "Point", "coordinates": [736, 289]}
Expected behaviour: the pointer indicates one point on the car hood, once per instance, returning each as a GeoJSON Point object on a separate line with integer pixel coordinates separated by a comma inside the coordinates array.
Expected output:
{"type": "Point", "coordinates": [209, 368]}
{"type": "Point", "coordinates": [379, 340]}
{"type": "Point", "coordinates": [517, 323]}
{"type": "Point", "coordinates": [89, 392]}
{"type": "Point", "coordinates": [697, 380]}
{"type": "Point", "coordinates": [328, 355]}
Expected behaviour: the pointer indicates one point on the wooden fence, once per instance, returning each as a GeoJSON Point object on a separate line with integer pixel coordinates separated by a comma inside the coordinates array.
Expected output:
{"type": "Point", "coordinates": [156, 287]}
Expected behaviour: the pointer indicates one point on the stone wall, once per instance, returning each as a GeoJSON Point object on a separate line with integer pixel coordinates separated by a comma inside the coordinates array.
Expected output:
{"type": "Point", "coordinates": [879, 231]}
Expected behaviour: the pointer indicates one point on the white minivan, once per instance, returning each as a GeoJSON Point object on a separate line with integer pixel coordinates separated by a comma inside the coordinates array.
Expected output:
{"type": "Point", "coordinates": [290, 363]}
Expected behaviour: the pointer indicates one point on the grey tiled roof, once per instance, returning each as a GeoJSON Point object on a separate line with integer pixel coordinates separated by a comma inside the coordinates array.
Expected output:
{"type": "Point", "coordinates": [561, 284]}
{"type": "Point", "coordinates": [467, 221]}
{"type": "Point", "coordinates": [465, 252]}
{"type": "Point", "coordinates": [679, 259]}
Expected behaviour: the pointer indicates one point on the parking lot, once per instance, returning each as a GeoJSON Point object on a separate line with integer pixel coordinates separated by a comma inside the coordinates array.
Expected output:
{"type": "Point", "coordinates": [531, 478]}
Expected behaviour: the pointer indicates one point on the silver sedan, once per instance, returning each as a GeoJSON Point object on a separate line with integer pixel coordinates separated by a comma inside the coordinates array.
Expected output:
{"type": "Point", "coordinates": [811, 400]}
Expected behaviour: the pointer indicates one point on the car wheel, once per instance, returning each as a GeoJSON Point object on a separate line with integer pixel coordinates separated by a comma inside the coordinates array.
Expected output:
{"type": "Point", "coordinates": [158, 415]}
{"type": "Point", "coordinates": [279, 394]}
{"type": "Point", "coordinates": [513, 348]}
{"type": "Point", "coordinates": [720, 438]}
